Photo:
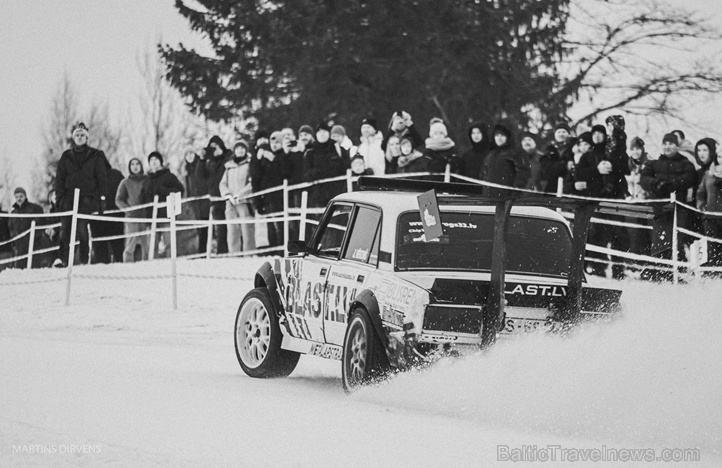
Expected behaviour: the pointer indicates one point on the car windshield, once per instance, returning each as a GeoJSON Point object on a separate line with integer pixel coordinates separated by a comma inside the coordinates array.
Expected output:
{"type": "Point", "coordinates": [534, 245]}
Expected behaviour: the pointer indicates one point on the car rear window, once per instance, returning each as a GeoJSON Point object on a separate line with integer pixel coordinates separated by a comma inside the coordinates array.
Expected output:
{"type": "Point", "coordinates": [534, 245]}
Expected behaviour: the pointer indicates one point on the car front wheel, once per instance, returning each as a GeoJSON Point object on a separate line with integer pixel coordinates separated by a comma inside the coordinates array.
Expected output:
{"type": "Point", "coordinates": [258, 338]}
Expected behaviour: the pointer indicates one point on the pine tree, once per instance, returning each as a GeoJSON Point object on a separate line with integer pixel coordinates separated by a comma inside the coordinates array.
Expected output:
{"type": "Point", "coordinates": [299, 61]}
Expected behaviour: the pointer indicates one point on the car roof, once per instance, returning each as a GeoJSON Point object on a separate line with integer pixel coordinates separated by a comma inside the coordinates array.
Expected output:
{"type": "Point", "coordinates": [398, 202]}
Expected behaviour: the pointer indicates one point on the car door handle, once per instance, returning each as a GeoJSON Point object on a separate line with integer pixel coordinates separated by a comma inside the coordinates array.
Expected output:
{"type": "Point", "coordinates": [323, 272]}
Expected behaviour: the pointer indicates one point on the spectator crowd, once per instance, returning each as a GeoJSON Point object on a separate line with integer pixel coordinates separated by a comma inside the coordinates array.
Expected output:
{"type": "Point", "coordinates": [599, 162]}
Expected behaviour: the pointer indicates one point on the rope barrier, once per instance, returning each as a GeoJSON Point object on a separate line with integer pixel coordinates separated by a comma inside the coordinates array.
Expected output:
{"type": "Point", "coordinates": [42, 281]}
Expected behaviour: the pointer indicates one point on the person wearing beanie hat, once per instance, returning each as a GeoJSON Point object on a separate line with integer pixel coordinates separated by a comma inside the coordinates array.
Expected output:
{"type": "Point", "coordinates": [17, 226]}
{"type": "Point", "coordinates": [563, 126]}
{"type": "Point", "coordinates": [267, 170]}
{"type": "Point", "coordinates": [154, 166]}
{"type": "Point", "coordinates": [130, 194]}
{"type": "Point", "coordinates": [371, 123]}
{"type": "Point", "coordinates": [80, 167]}
{"type": "Point", "coordinates": [670, 173]}
{"type": "Point", "coordinates": [529, 143]}
{"type": "Point", "coordinates": [557, 158]}
{"type": "Point", "coordinates": [401, 125]}
{"type": "Point", "coordinates": [161, 182]}
{"type": "Point", "coordinates": [358, 166]}
{"type": "Point", "coordinates": [506, 163]}
{"type": "Point", "coordinates": [235, 186]}
{"type": "Point", "coordinates": [439, 148]}
{"type": "Point", "coordinates": [370, 147]}
{"type": "Point", "coordinates": [472, 160]}
{"type": "Point", "coordinates": [325, 161]}
{"type": "Point", "coordinates": [338, 133]}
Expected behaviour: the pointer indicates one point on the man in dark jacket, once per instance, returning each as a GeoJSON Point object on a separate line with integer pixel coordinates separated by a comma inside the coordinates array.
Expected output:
{"type": "Point", "coordinates": [557, 156]}
{"type": "Point", "coordinates": [160, 182]}
{"type": "Point", "coordinates": [671, 173]}
{"type": "Point", "coordinates": [112, 250]}
{"type": "Point", "coordinates": [471, 162]}
{"type": "Point", "coordinates": [6, 250]}
{"type": "Point", "coordinates": [19, 225]}
{"type": "Point", "coordinates": [210, 172]}
{"type": "Point", "coordinates": [197, 187]}
{"type": "Point", "coordinates": [506, 164]}
{"type": "Point", "coordinates": [81, 167]}
{"type": "Point", "coordinates": [267, 172]}
{"type": "Point", "coordinates": [323, 162]}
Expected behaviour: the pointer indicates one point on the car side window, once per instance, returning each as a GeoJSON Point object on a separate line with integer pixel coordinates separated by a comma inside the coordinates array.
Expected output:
{"type": "Point", "coordinates": [332, 234]}
{"type": "Point", "coordinates": [363, 236]}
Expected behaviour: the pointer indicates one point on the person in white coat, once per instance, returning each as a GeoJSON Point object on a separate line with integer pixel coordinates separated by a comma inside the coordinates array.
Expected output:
{"type": "Point", "coordinates": [234, 186]}
{"type": "Point", "coordinates": [370, 147]}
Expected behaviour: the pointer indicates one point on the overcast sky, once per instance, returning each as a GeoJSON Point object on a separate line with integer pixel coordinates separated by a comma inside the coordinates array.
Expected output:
{"type": "Point", "coordinates": [97, 43]}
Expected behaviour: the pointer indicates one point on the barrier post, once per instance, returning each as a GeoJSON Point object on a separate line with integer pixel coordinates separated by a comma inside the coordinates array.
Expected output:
{"type": "Point", "coordinates": [286, 231]}
{"type": "Point", "coordinates": [209, 236]}
{"type": "Point", "coordinates": [32, 242]}
{"type": "Point", "coordinates": [153, 226]}
{"type": "Point", "coordinates": [349, 181]}
{"type": "Point", "coordinates": [171, 208]}
{"type": "Point", "coordinates": [560, 186]}
{"type": "Point", "coordinates": [304, 214]}
{"type": "Point", "coordinates": [675, 247]}
{"type": "Point", "coordinates": [447, 173]}
{"type": "Point", "coordinates": [71, 246]}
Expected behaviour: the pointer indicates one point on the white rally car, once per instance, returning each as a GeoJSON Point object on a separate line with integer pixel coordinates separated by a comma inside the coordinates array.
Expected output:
{"type": "Point", "coordinates": [368, 289]}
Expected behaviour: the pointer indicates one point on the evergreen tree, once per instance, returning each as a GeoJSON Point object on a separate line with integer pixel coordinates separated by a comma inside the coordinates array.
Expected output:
{"type": "Point", "coordinates": [299, 61]}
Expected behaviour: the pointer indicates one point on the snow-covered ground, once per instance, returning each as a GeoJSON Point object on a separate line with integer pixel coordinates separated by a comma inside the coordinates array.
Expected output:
{"type": "Point", "coordinates": [121, 376]}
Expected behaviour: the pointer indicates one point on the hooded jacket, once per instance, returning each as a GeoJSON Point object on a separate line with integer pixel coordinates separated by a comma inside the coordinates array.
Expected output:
{"type": "Point", "coordinates": [507, 164]}
{"type": "Point", "coordinates": [471, 162]}
{"type": "Point", "coordinates": [130, 191]}
{"type": "Point", "coordinates": [209, 172]}
{"type": "Point", "coordinates": [711, 143]}
{"type": "Point", "coordinates": [709, 193]}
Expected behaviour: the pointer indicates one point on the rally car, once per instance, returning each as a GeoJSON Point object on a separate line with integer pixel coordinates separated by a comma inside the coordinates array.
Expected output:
{"type": "Point", "coordinates": [373, 289]}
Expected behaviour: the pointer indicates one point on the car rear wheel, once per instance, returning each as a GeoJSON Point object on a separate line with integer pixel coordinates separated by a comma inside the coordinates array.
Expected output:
{"type": "Point", "coordinates": [257, 338]}
{"type": "Point", "coordinates": [364, 359]}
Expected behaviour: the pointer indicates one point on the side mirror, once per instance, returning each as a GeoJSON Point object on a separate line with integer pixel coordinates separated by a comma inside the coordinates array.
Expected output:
{"type": "Point", "coordinates": [296, 247]}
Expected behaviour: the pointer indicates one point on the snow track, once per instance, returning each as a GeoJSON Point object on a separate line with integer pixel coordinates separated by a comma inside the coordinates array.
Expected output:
{"type": "Point", "coordinates": [120, 373]}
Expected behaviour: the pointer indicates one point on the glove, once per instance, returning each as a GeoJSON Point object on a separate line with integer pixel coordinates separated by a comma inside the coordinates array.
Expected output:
{"type": "Point", "coordinates": [663, 187]}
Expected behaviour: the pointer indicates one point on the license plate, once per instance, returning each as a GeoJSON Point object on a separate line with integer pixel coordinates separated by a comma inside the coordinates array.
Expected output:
{"type": "Point", "coordinates": [515, 326]}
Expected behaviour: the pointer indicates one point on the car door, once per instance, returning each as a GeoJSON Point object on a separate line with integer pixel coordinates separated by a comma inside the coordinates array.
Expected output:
{"type": "Point", "coordinates": [349, 275]}
{"type": "Point", "coordinates": [307, 317]}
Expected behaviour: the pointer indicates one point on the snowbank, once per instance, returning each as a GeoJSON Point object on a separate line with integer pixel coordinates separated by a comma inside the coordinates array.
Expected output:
{"type": "Point", "coordinates": [118, 377]}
